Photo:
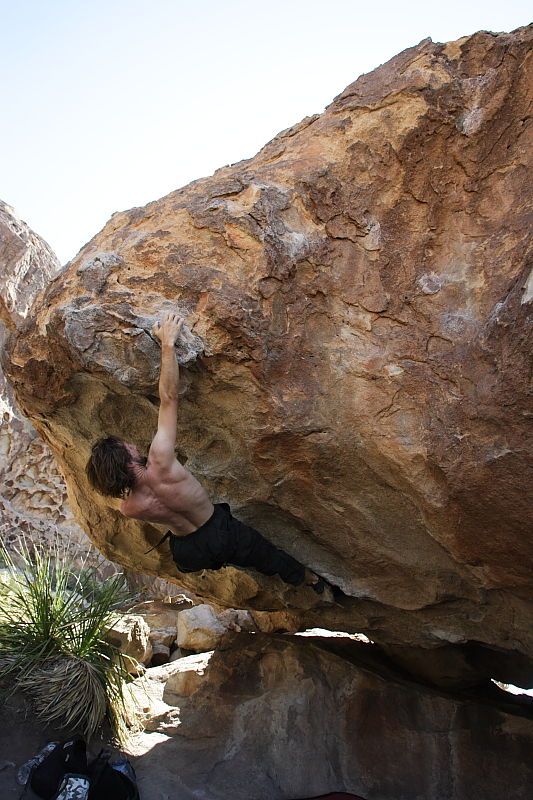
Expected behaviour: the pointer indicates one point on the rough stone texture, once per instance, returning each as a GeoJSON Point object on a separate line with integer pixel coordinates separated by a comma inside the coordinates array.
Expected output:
{"type": "Point", "coordinates": [357, 300]}
{"type": "Point", "coordinates": [153, 588]}
{"type": "Point", "coordinates": [164, 636]}
{"type": "Point", "coordinates": [33, 495]}
{"type": "Point", "coordinates": [270, 719]}
{"type": "Point", "coordinates": [159, 615]}
{"type": "Point", "coordinates": [184, 680]}
{"type": "Point", "coordinates": [276, 621]}
{"type": "Point", "coordinates": [28, 265]}
{"type": "Point", "coordinates": [131, 634]}
{"type": "Point", "coordinates": [160, 653]}
{"type": "Point", "coordinates": [216, 730]}
{"type": "Point", "coordinates": [22, 736]}
{"type": "Point", "coordinates": [236, 619]}
{"type": "Point", "coordinates": [199, 629]}
{"type": "Point", "coordinates": [177, 653]}
{"type": "Point", "coordinates": [203, 625]}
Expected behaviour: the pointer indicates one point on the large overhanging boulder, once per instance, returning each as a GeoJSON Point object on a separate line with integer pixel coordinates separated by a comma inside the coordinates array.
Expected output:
{"type": "Point", "coordinates": [355, 361]}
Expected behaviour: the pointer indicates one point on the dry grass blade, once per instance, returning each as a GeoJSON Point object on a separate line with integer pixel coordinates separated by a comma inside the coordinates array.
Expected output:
{"type": "Point", "coordinates": [70, 693]}
{"type": "Point", "coordinates": [52, 622]}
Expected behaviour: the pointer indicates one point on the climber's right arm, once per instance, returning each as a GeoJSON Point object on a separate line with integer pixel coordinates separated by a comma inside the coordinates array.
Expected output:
{"type": "Point", "coordinates": [161, 452]}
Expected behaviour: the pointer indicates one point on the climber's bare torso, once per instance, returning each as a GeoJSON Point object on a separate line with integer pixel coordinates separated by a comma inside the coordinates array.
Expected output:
{"type": "Point", "coordinates": [171, 497]}
{"type": "Point", "coordinates": [165, 492]}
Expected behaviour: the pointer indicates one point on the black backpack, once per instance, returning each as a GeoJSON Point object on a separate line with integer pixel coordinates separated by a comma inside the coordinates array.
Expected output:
{"type": "Point", "coordinates": [112, 779]}
{"type": "Point", "coordinates": [61, 772]}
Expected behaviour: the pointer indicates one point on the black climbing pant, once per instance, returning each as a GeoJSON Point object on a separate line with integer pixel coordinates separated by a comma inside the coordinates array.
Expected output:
{"type": "Point", "coordinates": [224, 540]}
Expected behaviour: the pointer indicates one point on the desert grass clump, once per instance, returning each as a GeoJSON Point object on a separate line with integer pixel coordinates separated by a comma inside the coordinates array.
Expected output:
{"type": "Point", "coordinates": [53, 621]}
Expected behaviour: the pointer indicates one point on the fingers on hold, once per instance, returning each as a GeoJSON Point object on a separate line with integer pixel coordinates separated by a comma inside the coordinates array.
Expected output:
{"type": "Point", "coordinates": [172, 318]}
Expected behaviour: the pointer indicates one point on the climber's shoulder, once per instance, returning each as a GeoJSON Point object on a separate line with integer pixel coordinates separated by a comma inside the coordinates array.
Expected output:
{"type": "Point", "coordinates": [134, 504]}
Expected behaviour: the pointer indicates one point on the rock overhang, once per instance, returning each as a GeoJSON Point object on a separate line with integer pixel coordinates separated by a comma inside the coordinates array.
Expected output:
{"type": "Point", "coordinates": [355, 356]}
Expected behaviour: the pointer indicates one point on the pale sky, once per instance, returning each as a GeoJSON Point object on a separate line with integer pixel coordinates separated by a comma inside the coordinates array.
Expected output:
{"type": "Point", "coordinates": [108, 104]}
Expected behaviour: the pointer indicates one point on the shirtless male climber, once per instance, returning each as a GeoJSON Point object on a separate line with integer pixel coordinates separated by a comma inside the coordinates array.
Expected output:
{"type": "Point", "coordinates": [159, 489]}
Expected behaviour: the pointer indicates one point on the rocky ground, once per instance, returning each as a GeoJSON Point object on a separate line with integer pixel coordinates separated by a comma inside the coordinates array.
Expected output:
{"type": "Point", "coordinates": [298, 722]}
{"type": "Point", "coordinates": [298, 715]}
{"type": "Point", "coordinates": [21, 736]}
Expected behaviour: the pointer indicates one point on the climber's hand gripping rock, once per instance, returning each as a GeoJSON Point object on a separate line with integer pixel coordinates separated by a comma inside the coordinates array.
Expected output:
{"type": "Point", "coordinates": [168, 328]}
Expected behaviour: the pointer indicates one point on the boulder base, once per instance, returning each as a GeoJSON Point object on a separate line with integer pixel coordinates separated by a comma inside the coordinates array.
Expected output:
{"type": "Point", "coordinates": [268, 718]}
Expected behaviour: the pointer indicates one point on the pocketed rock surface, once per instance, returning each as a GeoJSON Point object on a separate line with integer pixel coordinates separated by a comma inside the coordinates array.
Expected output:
{"type": "Point", "coordinates": [355, 358]}
{"type": "Point", "coordinates": [33, 496]}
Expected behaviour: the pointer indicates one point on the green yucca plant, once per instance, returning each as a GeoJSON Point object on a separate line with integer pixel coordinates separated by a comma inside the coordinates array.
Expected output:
{"type": "Point", "coordinates": [53, 618]}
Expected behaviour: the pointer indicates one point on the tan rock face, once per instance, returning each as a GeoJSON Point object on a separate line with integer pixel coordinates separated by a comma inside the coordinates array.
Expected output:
{"type": "Point", "coordinates": [131, 635]}
{"type": "Point", "coordinates": [199, 629]}
{"type": "Point", "coordinates": [356, 353]}
{"type": "Point", "coordinates": [33, 495]}
{"type": "Point", "coordinates": [268, 718]}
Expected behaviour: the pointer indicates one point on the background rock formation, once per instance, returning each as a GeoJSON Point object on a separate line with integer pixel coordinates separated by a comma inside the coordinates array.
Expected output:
{"type": "Point", "coordinates": [33, 497]}
{"type": "Point", "coordinates": [271, 717]}
{"type": "Point", "coordinates": [356, 356]}
{"type": "Point", "coordinates": [28, 265]}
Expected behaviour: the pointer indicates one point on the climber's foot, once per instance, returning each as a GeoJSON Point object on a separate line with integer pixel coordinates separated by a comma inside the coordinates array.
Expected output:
{"type": "Point", "coordinates": [318, 585]}
{"type": "Point", "coordinates": [314, 581]}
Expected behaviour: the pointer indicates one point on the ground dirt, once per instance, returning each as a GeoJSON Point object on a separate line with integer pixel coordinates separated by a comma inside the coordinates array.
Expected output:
{"type": "Point", "coordinates": [22, 736]}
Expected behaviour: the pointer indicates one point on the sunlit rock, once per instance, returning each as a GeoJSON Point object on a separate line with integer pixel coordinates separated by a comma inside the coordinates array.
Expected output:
{"type": "Point", "coordinates": [199, 629]}
{"type": "Point", "coordinates": [131, 635]}
{"type": "Point", "coordinates": [355, 358]}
